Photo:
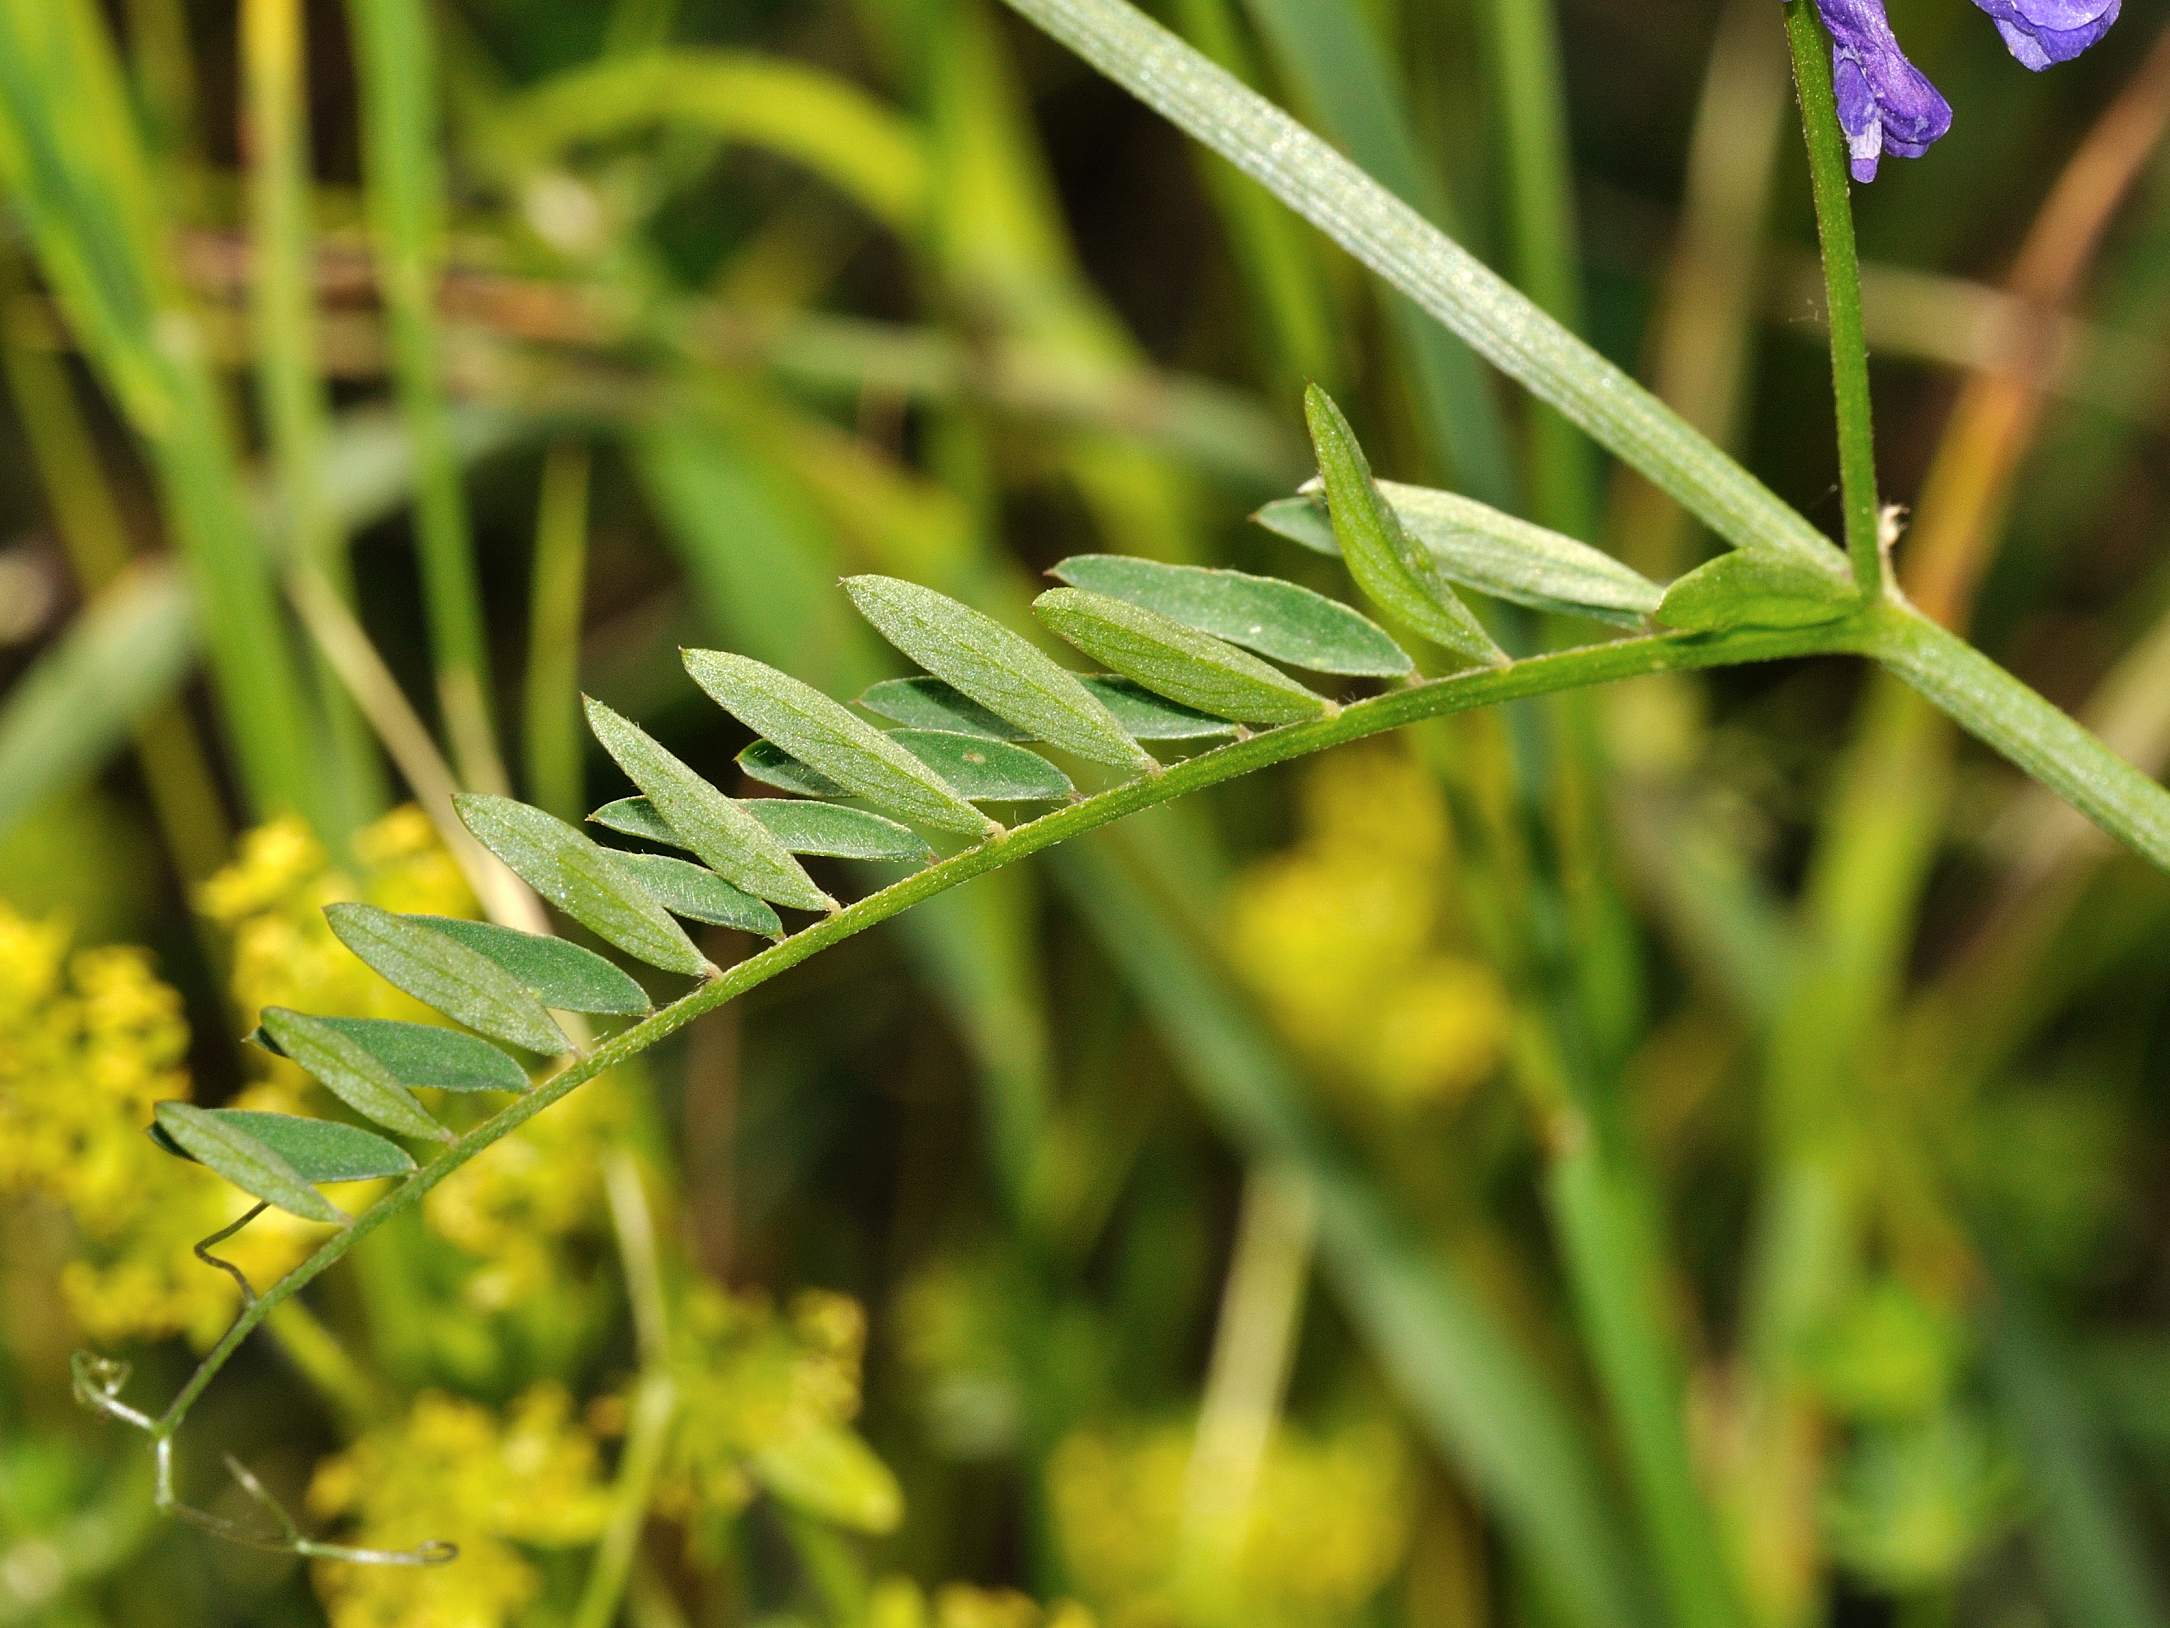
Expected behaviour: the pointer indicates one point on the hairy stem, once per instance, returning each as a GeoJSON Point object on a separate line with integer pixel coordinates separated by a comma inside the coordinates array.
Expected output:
{"type": "Point", "coordinates": [1540, 675]}
{"type": "Point", "coordinates": [1831, 186]}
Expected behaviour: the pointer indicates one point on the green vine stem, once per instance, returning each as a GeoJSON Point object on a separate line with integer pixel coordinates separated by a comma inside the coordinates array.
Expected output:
{"type": "Point", "coordinates": [1832, 189]}
{"type": "Point", "coordinates": [1540, 675]}
{"type": "Point", "coordinates": [1978, 694]}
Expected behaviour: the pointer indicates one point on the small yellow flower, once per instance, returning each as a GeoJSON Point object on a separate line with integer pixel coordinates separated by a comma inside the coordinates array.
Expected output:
{"type": "Point", "coordinates": [90, 1043]}
{"type": "Point", "coordinates": [453, 1471]}
{"type": "Point", "coordinates": [1347, 938]}
{"type": "Point", "coordinates": [766, 1403]}
{"type": "Point", "coordinates": [1324, 1529]}
{"type": "Point", "coordinates": [899, 1603]}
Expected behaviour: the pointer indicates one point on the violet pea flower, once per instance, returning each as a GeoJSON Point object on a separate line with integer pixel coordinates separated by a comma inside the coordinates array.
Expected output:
{"type": "Point", "coordinates": [1887, 106]}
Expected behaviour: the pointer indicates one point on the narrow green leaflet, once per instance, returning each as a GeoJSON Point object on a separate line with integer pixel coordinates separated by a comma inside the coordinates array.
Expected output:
{"type": "Point", "coordinates": [411, 953]}
{"type": "Point", "coordinates": [929, 703]}
{"type": "Point", "coordinates": [349, 1072]}
{"type": "Point", "coordinates": [1153, 717]}
{"type": "Point", "coordinates": [770, 764]}
{"type": "Point", "coordinates": [830, 830]}
{"type": "Point", "coordinates": [1277, 619]}
{"type": "Point", "coordinates": [699, 894]}
{"type": "Point", "coordinates": [823, 735]}
{"type": "Point", "coordinates": [320, 1150]}
{"type": "Point", "coordinates": [424, 1054]}
{"type": "Point", "coordinates": [1180, 663]}
{"type": "Point", "coordinates": [1754, 590]}
{"type": "Point", "coordinates": [984, 770]}
{"type": "Point", "coordinates": [244, 1159]}
{"type": "Point", "coordinates": [727, 837]}
{"type": "Point", "coordinates": [555, 860]}
{"type": "Point", "coordinates": [1397, 575]}
{"type": "Point", "coordinates": [556, 973]}
{"type": "Point", "coordinates": [837, 832]}
{"type": "Point", "coordinates": [1001, 670]}
{"type": "Point", "coordinates": [1494, 553]}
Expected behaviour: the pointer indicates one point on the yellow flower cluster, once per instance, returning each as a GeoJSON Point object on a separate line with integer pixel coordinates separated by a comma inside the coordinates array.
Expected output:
{"type": "Point", "coordinates": [453, 1471]}
{"type": "Point", "coordinates": [1323, 1530]}
{"type": "Point", "coordinates": [516, 1206]}
{"type": "Point", "coordinates": [1345, 936]}
{"type": "Point", "coordinates": [766, 1401]}
{"type": "Point", "coordinates": [90, 1042]}
{"type": "Point", "coordinates": [518, 1203]}
{"type": "Point", "coordinates": [898, 1603]}
{"type": "Point", "coordinates": [271, 900]}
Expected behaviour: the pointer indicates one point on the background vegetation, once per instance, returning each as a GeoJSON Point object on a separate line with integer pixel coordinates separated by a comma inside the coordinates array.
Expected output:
{"type": "Point", "coordinates": [1688, 1155]}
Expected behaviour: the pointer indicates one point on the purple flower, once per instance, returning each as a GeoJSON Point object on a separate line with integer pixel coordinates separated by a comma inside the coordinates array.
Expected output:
{"type": "Point", "coordinates": [1886, 105]}
{"type": "Point", "coordinates": [2041, 32]}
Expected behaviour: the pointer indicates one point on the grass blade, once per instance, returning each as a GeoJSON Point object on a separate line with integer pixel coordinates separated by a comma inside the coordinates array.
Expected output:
{"type": "Point", "coordinates": [1396, 241]}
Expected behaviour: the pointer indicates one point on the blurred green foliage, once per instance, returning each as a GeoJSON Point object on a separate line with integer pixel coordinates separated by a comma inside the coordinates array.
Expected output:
{"type": "Point", "coordinates": [1684, 1155]}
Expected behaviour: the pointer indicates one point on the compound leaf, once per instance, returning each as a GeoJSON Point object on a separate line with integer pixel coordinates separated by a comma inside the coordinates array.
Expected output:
{"type": "Point", "coordinates": [1275, 618]}
{"type": "Point", "coordinates": [350, 1072]}
{"type": "Point", "coordinates": [319, 1150]}
{"type": "Point", "coordinates": [1002, 671]}
{"type": "Point", "coordinates": [424, 1054]}
{"type": "Point", "coordinates": [1180, 663]}
{"type": "Point", "coordinates": [554, 972]}
{"type": "Point", "coordinates": [699, 894]}
{"type": "Point", "coordinates": [827, 738]}
{"type": "Point", "coordinates": [244, 1159]}
{"type": "Point", "coordinates": [723, 832]}
{"type": "Point", "coordinates": [1397, 575]}
{"type": "Point", "coordinates": [555, 860]}
{"type": "Point", "coordinates": [450, 976]}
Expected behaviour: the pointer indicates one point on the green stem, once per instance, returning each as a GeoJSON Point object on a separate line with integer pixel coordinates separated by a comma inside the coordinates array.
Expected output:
{"type": "Point", "coordinates": [1541, 675]}
{"type": "Point", "coordinates": [2049, 744]}
{"type": "Point", "coordinates": [1832, 187]}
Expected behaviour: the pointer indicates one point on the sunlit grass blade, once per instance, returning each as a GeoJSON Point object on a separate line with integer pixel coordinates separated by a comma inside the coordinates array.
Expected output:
{"type": "Point", "coordinates": [243, 1158]}
{"type": "Point", "coordinates": [447, 976]}
{"type": "Point", "coordinates": [823, 735]}
{"type": "Point", "coordinates": [1396, 241]}
{"type": "Point", "coordinates": [345, 1068]}
{"type": "Point", "coordinates": [1192, 668]}
{"type": "Point", "coordinates": [1276, 619]}
{"type": "Point", "coordinates": [424, 1055]}
{"type": "Point", "coordinates": [317, 1150]}
{"type": "Point", "coordinates": [395, 59]}
{"type": "Point", "coordinates": [1005, 673]}
{"type": "Point", "coordinates": [1393, 571]}
{"type": "Point", "coordinates": [699, 894]}
{"type": "Point", "coordinates": [579, 878]}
